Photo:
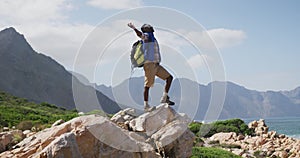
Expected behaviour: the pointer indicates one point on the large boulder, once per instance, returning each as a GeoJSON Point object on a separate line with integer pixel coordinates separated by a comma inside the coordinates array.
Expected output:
{"type": "Point", "coordinates": [223, 137]}
{"type": "Point", "coordinates": [98, 136]}
{"type": "Point", "coordinates": [10, 138]}
{"type": "Point", "coordinates": [259, 126]}
{"type": "Point", "coordinates": [5, 140]}
{"type": "Point", "coordinates": [153, 121]}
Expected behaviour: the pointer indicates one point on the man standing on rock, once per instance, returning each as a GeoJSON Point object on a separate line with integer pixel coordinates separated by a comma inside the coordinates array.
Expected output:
{"type": "Point", "coordinates": [151, 66]}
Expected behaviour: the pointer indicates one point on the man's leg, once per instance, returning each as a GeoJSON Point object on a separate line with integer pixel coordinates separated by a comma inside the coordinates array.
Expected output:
{"type": "Point", "coordinates": [146, 95]}
{"type": "Point", "coordinates": [165, 98]}
{"type": "Point", "coordinates": [149, 69]}
{"type": "Point", "coordinates": [147, 107]}
{"type": "Point", "coordinates": [168, 83]}
{"type": "Point", "coordinates": [165, 75]}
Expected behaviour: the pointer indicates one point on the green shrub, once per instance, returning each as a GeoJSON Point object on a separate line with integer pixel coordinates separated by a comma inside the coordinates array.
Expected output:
{"type": "Point", "coordinates": [206, 129]}
{"type": "Point", "coordinates": [199, 140]}
{"type": "Point", "coordinates": [48, 105]}
{"type": "Point", "coordinates": [17, 138]}
{"type": "Point", "coordinates": [246, 130]}
{"type": "Point", "coordinates": [25, 125]}
{"type": "Point", "coordinates": [206, 152]}
{"type": "Point", "coordinates": [3, 123]}
{"type": "Point", "coordinates": [195, 127]}
{"type": "Point", "coordinates": [233, 125]}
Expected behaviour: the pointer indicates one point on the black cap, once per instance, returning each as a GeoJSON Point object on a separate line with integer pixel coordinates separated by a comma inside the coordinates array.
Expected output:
{"type": "Point", "coordinates": [147, 28]}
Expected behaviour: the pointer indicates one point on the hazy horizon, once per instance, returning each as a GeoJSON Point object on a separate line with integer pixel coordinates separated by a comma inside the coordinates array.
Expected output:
{"type": "Point", "coordinates": [256, 43]}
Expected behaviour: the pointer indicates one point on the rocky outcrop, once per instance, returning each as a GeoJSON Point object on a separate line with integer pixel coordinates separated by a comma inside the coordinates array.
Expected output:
{"type": "Point", "coordinates": [264, 143]}
{"type": "Point", "coordinates": [58, 122]}
{"type": "Point", "coordinates": [98, 136]}
{"type": "Point", "coordinates": [10, 138]}
{"type": "Point", "coordinates": [259, 127]}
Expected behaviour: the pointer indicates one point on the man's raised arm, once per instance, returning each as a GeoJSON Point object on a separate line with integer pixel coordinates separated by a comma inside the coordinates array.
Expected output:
{"type": "Point", "coordinates": [138, 33]}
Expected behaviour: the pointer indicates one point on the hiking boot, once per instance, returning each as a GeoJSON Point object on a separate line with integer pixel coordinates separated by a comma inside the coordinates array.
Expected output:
{"type": "Point", "coordinates": [166, 99]}
{"type": "Point", "coordinates": [148, 108]}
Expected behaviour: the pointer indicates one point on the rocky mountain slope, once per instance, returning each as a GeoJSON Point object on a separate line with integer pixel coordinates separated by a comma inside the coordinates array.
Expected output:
{"type": "Point", "coordinates": [240, 102]}
{"type": "Point", "coordinates": [28, 74]}
{"type": "Point", "coordinates": [160, 133]}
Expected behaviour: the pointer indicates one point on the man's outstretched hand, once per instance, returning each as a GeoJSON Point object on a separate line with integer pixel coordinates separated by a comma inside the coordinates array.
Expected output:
{"type": "Point", "coordinates": [131, 25]}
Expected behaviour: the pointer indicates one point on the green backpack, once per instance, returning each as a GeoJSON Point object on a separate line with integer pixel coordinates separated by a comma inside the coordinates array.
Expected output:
{"type": "Point", "coordinates": [137, 55]}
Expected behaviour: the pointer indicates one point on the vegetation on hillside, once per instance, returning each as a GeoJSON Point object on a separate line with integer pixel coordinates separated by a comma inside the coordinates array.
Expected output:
{"type": "Point", "coordinates": [23, 114]}
{"type": "Point", "coordinates": [207, 152]}
{"type": "Point", "coordinates": [233, 125]}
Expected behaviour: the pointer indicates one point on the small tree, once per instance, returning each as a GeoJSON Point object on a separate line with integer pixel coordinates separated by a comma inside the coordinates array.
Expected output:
{"type": "Point", "coordinates": [25, 125]}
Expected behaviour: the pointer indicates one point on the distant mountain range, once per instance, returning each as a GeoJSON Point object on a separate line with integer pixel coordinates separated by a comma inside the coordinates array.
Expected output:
{"type": "Point", "coordinates": [239, 101]}
{"type": "Point", "coordinates": [28, 74]}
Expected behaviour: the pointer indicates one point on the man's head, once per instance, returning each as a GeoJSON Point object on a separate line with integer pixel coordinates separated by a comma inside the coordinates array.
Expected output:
{"type": "Point", "coordinates": [147, 28]}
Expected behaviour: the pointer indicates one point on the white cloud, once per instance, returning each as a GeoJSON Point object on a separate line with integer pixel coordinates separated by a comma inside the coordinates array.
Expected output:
{"type": "Point", "coordinates": [44, 25]}
{"type": "Point", "coordinates": [200, 39]}
{"type": "Point", "coordinates": [199, 61]}
{"type": "Point", "coordinates": [32, 11]}
{"type": "Point", "coordinates": [115, 4]}
{"type": "Point", "coordinates": [215, 38]}
{"type": "Point", "coordinates": [170, 39]}
{"type": "Point", "coordinates": [226, 37]}
{"type": "Point", "coordinates": [60, 41]}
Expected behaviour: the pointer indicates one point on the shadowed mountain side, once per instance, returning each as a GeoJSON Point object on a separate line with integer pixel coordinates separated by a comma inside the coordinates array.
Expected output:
{"type": "Point", "coordinates": [28, 74]}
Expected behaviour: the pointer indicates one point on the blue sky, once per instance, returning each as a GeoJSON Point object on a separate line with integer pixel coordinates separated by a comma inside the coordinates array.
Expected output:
{"type": "Point", "coordinates": [258, 41]}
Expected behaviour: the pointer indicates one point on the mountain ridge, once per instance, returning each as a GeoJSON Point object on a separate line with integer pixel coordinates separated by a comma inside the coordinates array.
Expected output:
{"type": "Point", "coordinates": [240, 102]}
{"type": "Point", "coordinates": [39, 78]}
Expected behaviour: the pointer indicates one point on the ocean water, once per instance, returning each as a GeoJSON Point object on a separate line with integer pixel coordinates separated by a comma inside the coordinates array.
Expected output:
{"type": "Point", "coordinates": [289, 126]}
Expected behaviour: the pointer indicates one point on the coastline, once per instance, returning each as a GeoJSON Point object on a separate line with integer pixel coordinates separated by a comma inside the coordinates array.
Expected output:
{"type": "Point", "coordinates": [264, 143]}
{"type": "Point", "coordinates": [288, 126]}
